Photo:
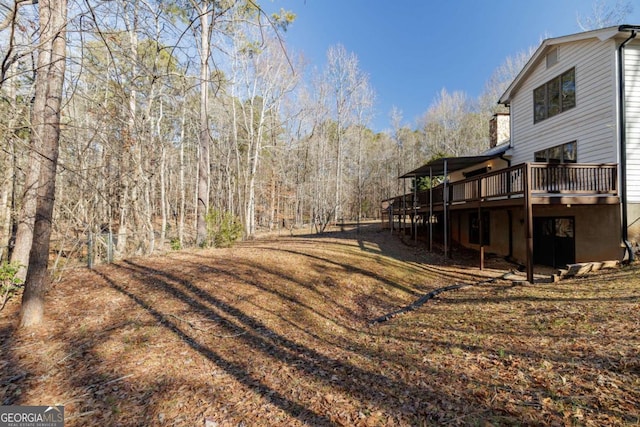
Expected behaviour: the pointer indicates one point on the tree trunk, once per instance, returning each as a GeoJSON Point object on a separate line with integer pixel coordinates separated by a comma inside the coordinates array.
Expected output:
{"type": "Point", "coordinates": [253, 154]}
{"type": "Point", "coordinates": [49, 80]}
{"type": "Point", "coordinates": [183, 190]}
{"type": "Point", "coordinates": [27, 212]}
{"type": "Point", "coordinates": [6, 179]}
{"type": "Point", "coordinates": [163, 196]}
{"type": "Point", "coordinates": [203, 153]}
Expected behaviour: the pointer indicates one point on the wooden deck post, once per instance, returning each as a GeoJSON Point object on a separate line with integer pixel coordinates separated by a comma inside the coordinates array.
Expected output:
{"type": "Point", "coordinates": [480, 224]}
{"type": "Point", "coordinates": [528, 222]}
{"type": "Point", "coordinates": [445, 197]}
{"type": "Point", "coordinates": [430, 209]}
{"type": "Point", "coordinates": [415, 210]}
{"type": "Point", "coordinates": [404, 207]}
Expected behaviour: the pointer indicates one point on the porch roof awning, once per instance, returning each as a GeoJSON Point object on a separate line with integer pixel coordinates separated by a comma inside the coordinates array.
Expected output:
{"type": "Point", "coordinates": [436, 167]}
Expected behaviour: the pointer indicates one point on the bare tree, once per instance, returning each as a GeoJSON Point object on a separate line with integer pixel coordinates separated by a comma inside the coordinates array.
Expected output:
{"type": "Point", "coordinates": [443, 122]}
{"type": "Point", "coordinates": [205, 11]}
{"type": "Point", "coordinates": [501, 78]}
{"type": "Point", "coordinates": [396, 128]}
{"type": "Point", "coordinates": [364, 101]}
{"type": "Point", "coordinates": [262, 78]}
{"type": "Point", "coordinates": [16, 62]}
{"type": "Point", "coordinates": [343, 77]}
{"type": "Point", "coordinates": [319, 162]}
{"type": "Point", "coordinates": [604, 15]}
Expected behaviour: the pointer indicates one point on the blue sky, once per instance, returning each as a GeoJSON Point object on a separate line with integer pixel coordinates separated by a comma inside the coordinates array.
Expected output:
{"type": "Point", "coordinates": [411, 49]}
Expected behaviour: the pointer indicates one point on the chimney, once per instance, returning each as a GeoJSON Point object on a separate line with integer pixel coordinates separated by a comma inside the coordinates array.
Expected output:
{"type": "Point", "coordinates": [499, 130]}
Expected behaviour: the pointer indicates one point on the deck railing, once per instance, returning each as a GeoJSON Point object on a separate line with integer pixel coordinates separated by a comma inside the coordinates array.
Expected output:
{"type": "Point", "coordinates": [574, 178]}
{"type": "Point", "coordinates": [544, 179]}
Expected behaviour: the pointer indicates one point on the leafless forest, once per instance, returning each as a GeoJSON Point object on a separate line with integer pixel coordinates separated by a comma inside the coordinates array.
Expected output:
{"type": "Point", "coordinates": [178, 115]}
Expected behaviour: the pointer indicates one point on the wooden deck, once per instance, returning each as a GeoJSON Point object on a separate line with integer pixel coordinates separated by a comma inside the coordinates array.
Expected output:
{"type": "Point", "coordinates": [542, 183]}
{"type": "Point", "coordinates": [523, 185]}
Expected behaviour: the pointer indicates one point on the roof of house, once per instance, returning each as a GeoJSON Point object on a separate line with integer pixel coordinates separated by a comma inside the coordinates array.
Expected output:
{"type": "Point", "coordinates": [452, 164]}
{"type": "Point", "coordinates": [601, 34]}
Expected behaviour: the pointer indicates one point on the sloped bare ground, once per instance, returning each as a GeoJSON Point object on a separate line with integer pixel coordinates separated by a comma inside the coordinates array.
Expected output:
{"type": "Point", "coordinates": [275, 332]}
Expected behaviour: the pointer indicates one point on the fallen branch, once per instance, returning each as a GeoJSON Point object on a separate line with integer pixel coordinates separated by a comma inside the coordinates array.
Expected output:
{"type": "Point", "coordinates": [188, 323]}
{"type": "Point", "coordinates": [80, 415]}
{"type": "Point", "coordinates": [14, 378]}
{"type": "Point", "coordinates": [423, 299]}
{"type": "Point", "coordinates": [118, 379]}
{"type": "Point", "coordinates": [207, 330]}
{"type": "Point", "coordinates": [99, 385]}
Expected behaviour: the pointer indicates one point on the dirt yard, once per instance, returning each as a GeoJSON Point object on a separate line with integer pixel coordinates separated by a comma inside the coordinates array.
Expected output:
{"type": "Point", "coordinates": [276, 332]}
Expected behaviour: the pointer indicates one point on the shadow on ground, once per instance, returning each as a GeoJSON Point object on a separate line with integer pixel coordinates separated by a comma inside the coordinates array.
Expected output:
{"type": "Point", "coordinates": [275, 332]}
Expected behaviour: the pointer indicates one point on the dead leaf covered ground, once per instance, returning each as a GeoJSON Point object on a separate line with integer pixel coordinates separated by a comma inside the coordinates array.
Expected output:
{"type": "Point", "coordinates": [275, 332]}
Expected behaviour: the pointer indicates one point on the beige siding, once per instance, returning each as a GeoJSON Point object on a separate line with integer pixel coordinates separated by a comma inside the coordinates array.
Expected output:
{"type": "Point", "coordinates": [493, 165]}
{"type": "Point", "coordinates": [591, 243]}
{"type": "Point", "coordinates": [592, 122]}
{"type": "Point", "coordinates": [632, 95]}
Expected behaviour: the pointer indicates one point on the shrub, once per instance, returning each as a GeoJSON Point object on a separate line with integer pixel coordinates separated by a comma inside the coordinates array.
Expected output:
{"type": "Point", "coordinates": [223, 228]}
{"type": "Point", "coordinates": [9, 282]}
{"type": "Point", "coordinates": [175, 244]}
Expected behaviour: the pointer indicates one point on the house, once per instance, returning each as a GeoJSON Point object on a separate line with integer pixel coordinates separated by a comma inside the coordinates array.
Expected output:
{"type": "Point", "coordinates": [561, 185]}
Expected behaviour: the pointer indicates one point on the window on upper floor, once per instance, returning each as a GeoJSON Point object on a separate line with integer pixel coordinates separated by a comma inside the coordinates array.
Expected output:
{"type": "Point", "coordinates": [564, 153]}
{"type": "Point", "coordinates": [555, 96]}
{"type": "Point", "coordinates": [552, 57]}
